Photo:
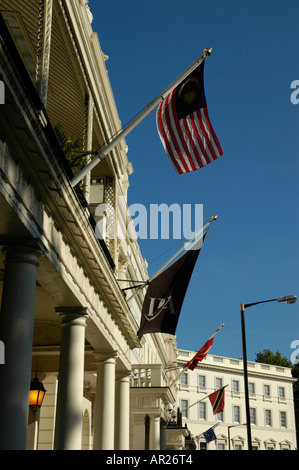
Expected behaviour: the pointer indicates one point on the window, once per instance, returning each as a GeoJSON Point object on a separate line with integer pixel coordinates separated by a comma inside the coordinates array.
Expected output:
{"type": "Point", "coordinates": [202, 410]}
{"type": "Point", "coordinates": [281, 392]}
{"type": "Point", "coordinates": [219, 416]}
{"type": "Point", "coordinates": [268, 418]}
{"type": "Point", "coordinates": [184, 379]}
{"type": "Point", "coordinates": [238, 447]}
{"type": "Point", "coordinates": [235, 386]}
{"type": "Point", "coordinates": [184, 406]}
{"type": "Point", "coordinates": [283, 419]}
{"type": "Point", "coordinates": [266, 390]}
{"type": "Point", "coordinates": [251, 388]}
{"type": "Point", "coordinates": [203, 446]}
{"type": "Point", "coordinates": [218, 382]}
{"type": "Point", "coordinates": [252, 412]}
{"type": "Point", "coordinates": [236, 414]}
{"type": "Point", "coordinates": [201, 381]}
{"type": "Point", "coordinates": [220, 446]}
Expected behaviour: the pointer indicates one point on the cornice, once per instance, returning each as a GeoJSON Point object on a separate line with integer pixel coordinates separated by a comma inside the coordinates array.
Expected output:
{"type": "Point", "coordinates": [239, 372]}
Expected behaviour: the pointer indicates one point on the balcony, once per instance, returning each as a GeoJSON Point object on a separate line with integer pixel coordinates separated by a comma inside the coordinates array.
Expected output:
{"type": "Point", "coordinates": [148, 375]}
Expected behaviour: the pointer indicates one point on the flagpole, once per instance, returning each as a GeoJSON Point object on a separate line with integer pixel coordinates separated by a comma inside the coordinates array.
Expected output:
{"type": "Point", "coordinates": [214, 217]}
{"type": "Point", "coordinates": [184, 247]}
{"type": "Point", "coordinates": [213, 427]}
{"type": "Point", "coordinates": [177, 378]}
{"type": "Point", "coordinates": [140, 116]}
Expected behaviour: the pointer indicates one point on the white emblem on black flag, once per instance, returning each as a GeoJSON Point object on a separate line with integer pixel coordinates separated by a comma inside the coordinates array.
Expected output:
{"type": "Point", "coordinates": [165, 295]}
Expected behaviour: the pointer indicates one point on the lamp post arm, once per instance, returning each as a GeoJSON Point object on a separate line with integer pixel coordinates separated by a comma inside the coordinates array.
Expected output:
{"type": "Point", "coordinates": [260, 302]}
{"type": "Point", "coordinates": [289, 299]}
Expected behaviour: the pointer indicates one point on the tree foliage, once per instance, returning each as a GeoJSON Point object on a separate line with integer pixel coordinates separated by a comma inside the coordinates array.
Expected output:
{"type": "Point", "coordinates": [268, 357]}
{"type": "Point", "coordinates": [71, 147]}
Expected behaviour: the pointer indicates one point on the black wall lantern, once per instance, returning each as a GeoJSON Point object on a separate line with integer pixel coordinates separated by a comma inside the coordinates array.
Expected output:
{"type": "Point", "coordinates": [36, 395]}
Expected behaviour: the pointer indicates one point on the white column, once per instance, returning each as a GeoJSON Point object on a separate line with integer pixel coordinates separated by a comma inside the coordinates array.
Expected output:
{"type": "Point", "coordinates": [105, 402]}
{"type": "Point", "coordinates": [140, 441]}
{"type": "Point", "coordinates": [122, 413]}
{"type": "Point", "coordinates": [68, 427]}
{"type": "Point", "coordinates": [163, 435]}
{"type": "Point", "coordinates": [16, 332]}
{"type": "Point", "coordinates": [154, 432]}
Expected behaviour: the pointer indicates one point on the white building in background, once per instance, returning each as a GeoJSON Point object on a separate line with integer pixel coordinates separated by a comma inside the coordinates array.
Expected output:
{"type": "Point", "coordinates": [271, 404]}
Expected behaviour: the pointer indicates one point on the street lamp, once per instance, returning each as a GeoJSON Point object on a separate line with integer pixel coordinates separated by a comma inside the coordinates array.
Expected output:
{"type": "Point", "coordinates": [289, 299]}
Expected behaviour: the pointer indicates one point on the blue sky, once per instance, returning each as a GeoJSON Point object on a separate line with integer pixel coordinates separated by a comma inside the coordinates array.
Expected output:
{"type": "Point", "coordinates": [251, 251]}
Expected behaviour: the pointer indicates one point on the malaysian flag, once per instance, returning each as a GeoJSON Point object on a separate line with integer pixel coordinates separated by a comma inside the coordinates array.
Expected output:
{"type": "Point", "coordinates": [184, 125]}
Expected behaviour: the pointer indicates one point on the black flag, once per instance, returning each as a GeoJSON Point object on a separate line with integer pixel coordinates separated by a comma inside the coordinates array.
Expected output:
{"type": "Point", "coordinates": [165, 295]}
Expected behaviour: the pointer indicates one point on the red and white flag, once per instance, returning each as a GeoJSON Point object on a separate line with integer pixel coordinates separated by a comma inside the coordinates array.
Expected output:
{"type": "Point", "coordinates": [201, 354]}
{"type": "Point", "coordinates": [184, 125]}
{"type": "Point", "coordinates": [217, 400]}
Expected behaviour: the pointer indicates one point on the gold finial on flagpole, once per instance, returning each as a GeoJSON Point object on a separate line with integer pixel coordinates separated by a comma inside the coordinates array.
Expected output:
{"type": "Point", "coordinates": [214, 217]}
{"type": "Point", "coordinates": [207, 52]}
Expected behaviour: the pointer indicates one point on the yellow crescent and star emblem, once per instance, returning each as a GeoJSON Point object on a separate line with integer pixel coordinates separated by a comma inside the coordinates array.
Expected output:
{"type": "Point", "coordinates": [188, 91]}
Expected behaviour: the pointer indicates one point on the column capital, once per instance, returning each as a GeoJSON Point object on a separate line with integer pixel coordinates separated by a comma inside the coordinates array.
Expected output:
{"type": "Point", "coordinates": [105, 355]}
{"type": "Point", "coordinates": [74, 315]}
{"type": "Point", "coordinates": [25, 251]}
{"type": "Point", "coordinates": [154, 416]}
{"type": "Point", "coordinates": [123, 376]}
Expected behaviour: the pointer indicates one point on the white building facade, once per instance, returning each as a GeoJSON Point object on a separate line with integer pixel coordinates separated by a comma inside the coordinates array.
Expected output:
{"type": "Point", "coordinates": [271, 404]}
{"type": "Point", "coordinates": [65, 317]}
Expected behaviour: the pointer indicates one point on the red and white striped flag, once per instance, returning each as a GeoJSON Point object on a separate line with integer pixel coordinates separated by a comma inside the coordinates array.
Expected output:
{"type": "Point", "coordinates": [184, 126]}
